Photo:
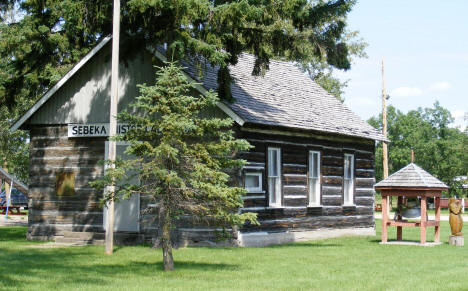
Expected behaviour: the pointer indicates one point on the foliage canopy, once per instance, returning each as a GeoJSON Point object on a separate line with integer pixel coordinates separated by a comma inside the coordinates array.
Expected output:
{"type": "Point", "coordinates": [438, 148]}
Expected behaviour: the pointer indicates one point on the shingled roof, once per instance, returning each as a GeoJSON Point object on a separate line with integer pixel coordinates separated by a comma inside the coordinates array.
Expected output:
{"type": "Point", "coordinates": [411, 176]}
{"type": "Point", "coordinates": [286, 97]}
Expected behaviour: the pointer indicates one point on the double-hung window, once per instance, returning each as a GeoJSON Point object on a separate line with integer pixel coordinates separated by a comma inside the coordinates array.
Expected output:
{"type": "Point", "coordinates": [274, 176]}
{"type": "Point", "coordinates": [348, 186]}
{"type": "Point", "coordinates": [314, 178]}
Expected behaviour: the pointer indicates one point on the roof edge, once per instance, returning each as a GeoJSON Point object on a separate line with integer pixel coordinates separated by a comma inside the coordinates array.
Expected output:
{"type": "Point", "coordinates": [20, 121]}
{"type": "Point", "coordinates": [239, 120]}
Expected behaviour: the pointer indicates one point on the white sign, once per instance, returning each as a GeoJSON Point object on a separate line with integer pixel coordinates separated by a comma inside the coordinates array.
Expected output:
{"type": "Point", "coordinates": [95, 129]}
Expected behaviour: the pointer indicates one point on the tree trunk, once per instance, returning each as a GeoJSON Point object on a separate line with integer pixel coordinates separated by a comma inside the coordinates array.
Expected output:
{"type": "Point", "coordinates": [165, 237]}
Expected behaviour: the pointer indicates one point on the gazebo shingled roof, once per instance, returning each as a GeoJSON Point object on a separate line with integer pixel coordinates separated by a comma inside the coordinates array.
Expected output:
{"type": "Point", "coordinates": [411, 176]}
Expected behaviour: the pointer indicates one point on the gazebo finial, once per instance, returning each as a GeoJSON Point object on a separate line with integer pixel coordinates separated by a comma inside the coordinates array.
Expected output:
{"type": "Point", "coordinates": [412, 156]}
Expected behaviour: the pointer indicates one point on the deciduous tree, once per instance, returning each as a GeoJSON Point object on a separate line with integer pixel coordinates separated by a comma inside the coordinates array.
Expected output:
{"type": "Point", "coordinates": [439, 148]}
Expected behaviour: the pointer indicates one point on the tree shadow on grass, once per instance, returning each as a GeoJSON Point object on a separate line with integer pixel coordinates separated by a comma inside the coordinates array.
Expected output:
{"type": "Point", "coordinates": [191, 265]}
{"type": "Point", "coordinates": [24, 268]}
{"type": "Point", "coordinates": [13, 233]}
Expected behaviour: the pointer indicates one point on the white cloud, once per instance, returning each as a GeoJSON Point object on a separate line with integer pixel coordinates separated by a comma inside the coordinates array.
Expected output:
{"type": "Point", "coordinates": [440, 86]}
{"type": "Point", "coordinates": [406, 92]}
{"type": "Point", "coordinates": [460, 119]}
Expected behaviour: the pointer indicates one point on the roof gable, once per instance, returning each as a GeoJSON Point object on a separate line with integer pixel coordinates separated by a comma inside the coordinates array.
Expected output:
{"type": "Point", "coordinates": [411, 176]}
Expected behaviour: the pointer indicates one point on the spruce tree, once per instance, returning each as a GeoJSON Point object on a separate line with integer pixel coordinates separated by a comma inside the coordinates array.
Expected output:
{"type": "Point", "coordinates": [181, 157]}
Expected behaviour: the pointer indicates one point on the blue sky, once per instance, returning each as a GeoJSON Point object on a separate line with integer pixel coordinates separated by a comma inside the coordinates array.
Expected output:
{"type": "Point", "coordinates": [425, 45]}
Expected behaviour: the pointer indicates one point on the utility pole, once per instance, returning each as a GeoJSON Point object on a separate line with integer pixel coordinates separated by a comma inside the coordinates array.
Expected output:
{"type": "Point", "coordinates": [384, 131]}
{"type": "Point", "coordinates": [7, 186]}
{"type": "Point", "coordinates": [384, 124]}
{"type": "Point", "coordinates": [113, 124]}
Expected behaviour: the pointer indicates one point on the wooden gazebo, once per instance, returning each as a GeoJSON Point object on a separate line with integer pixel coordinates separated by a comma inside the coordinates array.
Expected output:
{"type": "Point", "coordinates": [411, 181]}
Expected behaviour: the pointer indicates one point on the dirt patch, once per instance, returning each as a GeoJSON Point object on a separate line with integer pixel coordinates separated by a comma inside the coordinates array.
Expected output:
{"type": "Point", "coordinates": [17, 220]}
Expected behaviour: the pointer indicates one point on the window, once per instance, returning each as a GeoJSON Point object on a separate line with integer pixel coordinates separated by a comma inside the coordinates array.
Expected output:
{"type": "Point", "coordinates": [314, 178]}
{"type": "Point", "coordinates": [253, 182]}
{"type": "Point", "coordinates": [274, 176]}
{"type": "Point", "coordinates": [348, 187]}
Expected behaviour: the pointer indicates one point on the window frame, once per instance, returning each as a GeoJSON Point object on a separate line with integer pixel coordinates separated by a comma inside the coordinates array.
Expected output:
{"type": "Point", "coordinates": [259, 176]}
{"type": "Point", "coordinates": [278, 184]}
{"type": "Point", "coordinates": [318, 197]}
{"type": "Point", "coordinates": [351, 201]}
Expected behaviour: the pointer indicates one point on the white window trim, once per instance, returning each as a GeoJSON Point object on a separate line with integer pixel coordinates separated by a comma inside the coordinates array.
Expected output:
{"type": "Point", "coordinates": [258, 189]}
{"type": "Point", "coordinates": [319, 192]}
{"type": "Point", "coordinates": [351, 196]}
{"type": "Point", "coordinates": [278, 184]}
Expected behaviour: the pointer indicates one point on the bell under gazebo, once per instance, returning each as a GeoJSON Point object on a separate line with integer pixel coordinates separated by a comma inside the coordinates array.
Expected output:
{"type": "Point", "coordinates": [409, 183]}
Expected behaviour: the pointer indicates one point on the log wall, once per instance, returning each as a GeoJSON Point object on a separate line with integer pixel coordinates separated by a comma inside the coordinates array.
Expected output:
{"type": "Point", "coordinates": [51, 215]}
{"type": "Point", "coordinates": [52, 153]}
{"type": "Point", "coordinates": [295, 215]}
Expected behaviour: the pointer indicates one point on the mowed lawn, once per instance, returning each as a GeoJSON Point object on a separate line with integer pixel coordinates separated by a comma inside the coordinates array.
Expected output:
{"type": "Point", "coordinates": [333, 264]}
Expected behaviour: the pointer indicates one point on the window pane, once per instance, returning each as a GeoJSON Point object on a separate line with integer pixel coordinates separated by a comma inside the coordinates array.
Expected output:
{"type": "Point", "coordinates": [315, 169]}
{"type": "Point", "coordinates": [313, 191]}
{"type": "Point", "coordinates": [272, 190]}
{"type": "Point", "coordinates": [273, 162]}
{"type": "Point", "coordinates": [346, 191]}
{"type": "Point", "coordinates": [252, 181]}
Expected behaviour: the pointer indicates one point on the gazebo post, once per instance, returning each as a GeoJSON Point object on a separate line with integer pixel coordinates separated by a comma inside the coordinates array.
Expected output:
{"type": "Point", "coordinates": [437, 219]}
{"type": "Point", "coordinates": [423, 218]}
{"type": "Point", "coordinates": [384, 217]}
{"type": "Point", "coordinates": [399, 228]}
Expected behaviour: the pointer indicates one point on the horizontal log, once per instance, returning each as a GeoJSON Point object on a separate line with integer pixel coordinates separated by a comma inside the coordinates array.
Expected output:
{"type": "Point", "coordinates": [255, 202]}
{"type": "Point", "coordinates": [87, 206]}
{"type": "Point", "coordinates": [65, 217]}
{"type": "Point", "coordinates": [252, 156]}
{"type": "Point", "coordinates": [294, 190]}
{"type": "Point", "coordinates": [332, 181]}
{"type": "Point", "coordinates": [340, 210]}
{"type": "Point", "coordinates": [294, 180]}
{"type": "Point", "coordinates": [41, 143]}
{"type": "Point", "coordinates": [294, 169]}
{"type": "Point", "coordinates": [332, 161]}
{"type": "Point", "coordinates": [49, 193]}
{"type": "Point", "coordinates": [366, 201]}
{"type": "Point", "coordinates": [80, 179]}
{"type": "Point", "coordinates": [335, 200]}
{"type": "Point", "coordinates": [332, 190]}
{"type": "Point", "coordinates": [364, 164]}
{"type": "Point", "coordinates": [39, 170]}
{"type": "Point", "coordinates": [56, 131]}
{"type": "Point", "coordinates": [36, 229]}
{"type": "Point", "coordinates": [332, 170]}
{"type": "Point", "coordinates": [295, 202]}
{"type": "Point", "coordinates": [364, 192]}
{"type": "Point", "coordinates": [365, 182]}
{"type": "Point", "coordinates": [314, 222]}
{"type": "Point", "coordinates": [363, 173]}
{"type": "Point", "coordinates": [66, 162]}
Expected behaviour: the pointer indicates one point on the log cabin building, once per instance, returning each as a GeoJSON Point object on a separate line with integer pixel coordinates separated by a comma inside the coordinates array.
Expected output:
{"type": "Point", "coordinates": [310, 172]}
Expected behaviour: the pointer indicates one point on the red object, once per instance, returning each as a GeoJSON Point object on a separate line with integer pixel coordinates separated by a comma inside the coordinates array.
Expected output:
{"type": "Point", "coordinates": [17, 210]}
{"type": "Point", "coordinates": [444, 202]}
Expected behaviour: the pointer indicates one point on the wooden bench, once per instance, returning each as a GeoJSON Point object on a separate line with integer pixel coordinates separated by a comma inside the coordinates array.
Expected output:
{"type": "Point", "coordinates": [12, 210]}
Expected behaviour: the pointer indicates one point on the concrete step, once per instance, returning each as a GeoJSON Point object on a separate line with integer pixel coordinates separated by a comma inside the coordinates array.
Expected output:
{"type": "Point", "coordinates": [78, 241]}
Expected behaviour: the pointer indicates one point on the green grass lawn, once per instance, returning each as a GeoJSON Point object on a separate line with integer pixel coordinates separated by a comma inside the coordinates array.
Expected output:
{"type": "Point", "coordinates": [335, 264]}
